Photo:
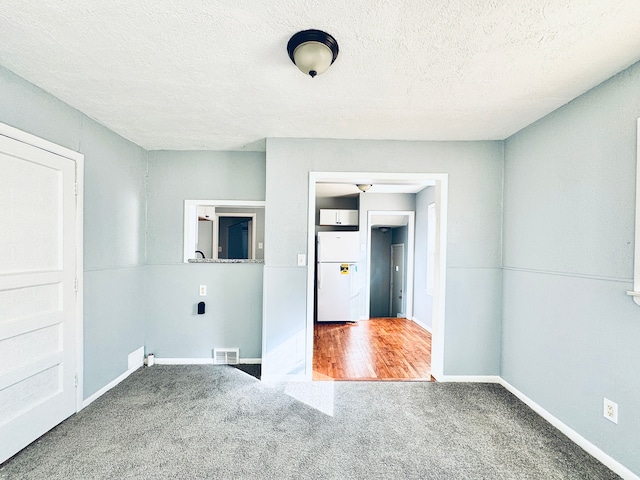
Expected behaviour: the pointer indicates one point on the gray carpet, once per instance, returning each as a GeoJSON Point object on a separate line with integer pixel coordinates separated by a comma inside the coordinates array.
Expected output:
{"type": "Point", "coordinates": [187, 422]}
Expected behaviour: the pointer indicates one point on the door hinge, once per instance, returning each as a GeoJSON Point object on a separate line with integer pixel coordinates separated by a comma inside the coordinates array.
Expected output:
{"type": "Point", "coordinates": [75, 380]}
{"type": "Point", "coordinates": [76, 188]}
{"type": "Point", "coordinates": [75, 284]}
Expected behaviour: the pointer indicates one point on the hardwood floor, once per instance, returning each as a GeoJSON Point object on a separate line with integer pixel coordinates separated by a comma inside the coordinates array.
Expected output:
{"type": "Point", "coordinates": [375, 349]}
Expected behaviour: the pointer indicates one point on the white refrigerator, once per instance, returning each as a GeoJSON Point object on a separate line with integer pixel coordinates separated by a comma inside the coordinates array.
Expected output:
{"type": "Point", "coordinates": [337, 287]}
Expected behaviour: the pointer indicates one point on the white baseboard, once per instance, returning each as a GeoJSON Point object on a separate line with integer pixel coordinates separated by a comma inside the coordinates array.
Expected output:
{"type": "Point", "coordinates": [201, 361]}
{"type": "Point", "coordinates": [469, 378]}
{"type": "Point", "coordinates": [428, 329]}
{"type": "Point", "coordinates": [108, 387]}
{"type": "Point", "coordinates": [574, 436]}
{"type": "Point", "coordinates": [183, 361]}
{"type": "Point", "coordinates": [135, 360]}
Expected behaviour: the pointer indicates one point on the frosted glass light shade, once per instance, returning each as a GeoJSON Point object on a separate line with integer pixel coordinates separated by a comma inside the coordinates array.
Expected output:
{"type": "Point", "coordinates": [312, 51]}
{"type": "Point", "coordinates": [312, 57]}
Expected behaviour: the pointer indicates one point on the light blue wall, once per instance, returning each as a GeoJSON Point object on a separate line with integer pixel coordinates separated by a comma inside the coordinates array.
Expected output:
{"type": "Point", "coordinates": [114, 205]}
{"type": "Point", "coordinates": [422, 301]}
{"type": "Point", "coordinates": [114, 229]}
{"type": "Point", "coordinates": [570, 334]}
{"type": "Point", "coordinates": [474, 241]}
{"type": "Point", "coordinates": [233, 315]}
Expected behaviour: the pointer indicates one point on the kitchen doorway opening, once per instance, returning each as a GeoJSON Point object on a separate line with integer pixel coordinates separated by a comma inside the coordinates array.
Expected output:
{"type": "Point", "coordinates": [389, 183]}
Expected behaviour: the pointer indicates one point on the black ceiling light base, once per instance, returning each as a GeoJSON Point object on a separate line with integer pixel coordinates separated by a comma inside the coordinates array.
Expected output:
{"type": "Point", "coordinates": [312, 51]}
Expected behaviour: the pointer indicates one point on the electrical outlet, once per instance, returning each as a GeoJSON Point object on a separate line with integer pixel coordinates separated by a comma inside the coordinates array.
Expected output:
{"type": "Point", "coordinates": [203, 290]}
{"type": "Point", "coordinates": [610, 410]}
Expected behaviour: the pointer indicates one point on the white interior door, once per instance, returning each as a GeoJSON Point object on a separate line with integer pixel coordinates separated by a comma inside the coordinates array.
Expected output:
{"type": "Point", "coordinates": [39, 324]}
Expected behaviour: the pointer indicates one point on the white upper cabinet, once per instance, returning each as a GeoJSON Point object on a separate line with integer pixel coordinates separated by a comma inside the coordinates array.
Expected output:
{"type": "Point", "coordinates": [329, 216]}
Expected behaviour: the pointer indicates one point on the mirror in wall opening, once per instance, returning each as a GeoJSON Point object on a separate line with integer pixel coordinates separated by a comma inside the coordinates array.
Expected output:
{"type": "Point", "coordinates": [223, 229]}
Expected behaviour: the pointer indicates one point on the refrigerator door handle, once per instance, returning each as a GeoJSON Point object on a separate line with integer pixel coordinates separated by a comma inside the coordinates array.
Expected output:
{"type": "Point", "coordinates": [319, 270]}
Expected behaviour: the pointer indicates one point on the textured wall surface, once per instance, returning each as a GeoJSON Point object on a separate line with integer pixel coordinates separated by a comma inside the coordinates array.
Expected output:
{"type": "Point", "coordinates": [233, 315]}
{"type": "Point", "coordinates": [570, 334]}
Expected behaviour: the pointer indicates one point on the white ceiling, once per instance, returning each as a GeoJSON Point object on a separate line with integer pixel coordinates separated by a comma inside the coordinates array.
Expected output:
{"type": "Point", "coordinates": [206, 74]}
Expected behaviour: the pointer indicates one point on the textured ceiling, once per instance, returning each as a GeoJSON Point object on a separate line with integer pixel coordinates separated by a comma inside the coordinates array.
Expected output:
{"type": "Point", "coordinates": [190, 74]}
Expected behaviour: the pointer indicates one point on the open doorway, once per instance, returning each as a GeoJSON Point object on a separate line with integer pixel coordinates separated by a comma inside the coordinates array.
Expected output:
{"type": "Point", "coordinates": [390, 263]}
{"type": "Point", "coordinates": [394, 184]}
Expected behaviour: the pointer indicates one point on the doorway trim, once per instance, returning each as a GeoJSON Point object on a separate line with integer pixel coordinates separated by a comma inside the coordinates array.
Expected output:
{"type": "Point", "coordinates": [411, 225]}
{"type": "Point", "coordinates": [392, 284]}
{"type": "Point", "coordinates": [78, 158]}
{"type": "Point", "coordinates": [441, 181]}
{"type": "Point", "coordinates": [29, 148]}
{"type": "Point", "coordinates": [252, 231]}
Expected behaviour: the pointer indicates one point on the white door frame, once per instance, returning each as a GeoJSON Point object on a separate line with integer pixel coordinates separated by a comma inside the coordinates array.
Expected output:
{"type": "Point", "coordinates": [252, 232]}
{"type": "Point", "coordinates": [403, 288]}
{"type": "Point", "coordinates": [78, 158]}
{"type": "Point", "coordinates": [57, 396]}
{"type": "Point", "coordinates": [441, 181]}
{"type": "Point", "coordinates": [191, 220]}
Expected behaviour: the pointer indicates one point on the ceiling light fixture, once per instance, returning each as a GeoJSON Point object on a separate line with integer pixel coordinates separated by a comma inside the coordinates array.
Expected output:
{"type": "Point", "coordinates": [363, 187]}
{"type": "Point", "coordinates": [312, 51]}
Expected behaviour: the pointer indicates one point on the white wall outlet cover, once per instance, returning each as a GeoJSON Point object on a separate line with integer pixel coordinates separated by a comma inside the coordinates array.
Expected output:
{"type": "Point", "coordinates": [610, 410]}
{"type": "Point", "coordinates": [259, 245]}
{"type": "Point", "coordinates": [302, 259]}
{"type": "Point", "coordinates": [203, 290]}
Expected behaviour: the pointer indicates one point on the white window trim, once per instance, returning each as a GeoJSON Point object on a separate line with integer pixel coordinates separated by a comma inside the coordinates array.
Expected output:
{"type": "Point", "coordinates": [190, 220]}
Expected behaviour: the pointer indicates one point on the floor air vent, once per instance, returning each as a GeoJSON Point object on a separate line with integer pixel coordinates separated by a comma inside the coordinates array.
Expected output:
{"type": "Point", "coordinates": [226, 356]}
